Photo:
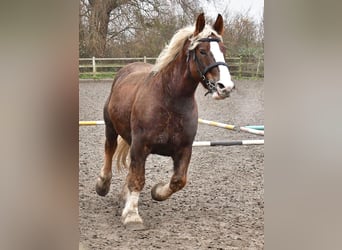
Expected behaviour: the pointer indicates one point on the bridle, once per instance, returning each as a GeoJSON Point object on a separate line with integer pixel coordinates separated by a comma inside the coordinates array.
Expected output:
{"type": "Point", "coordinates": [209, 83]}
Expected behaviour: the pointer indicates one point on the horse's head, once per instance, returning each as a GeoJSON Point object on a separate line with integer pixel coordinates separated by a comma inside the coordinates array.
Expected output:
{"type": "Point", "coordinates": [206, 58]}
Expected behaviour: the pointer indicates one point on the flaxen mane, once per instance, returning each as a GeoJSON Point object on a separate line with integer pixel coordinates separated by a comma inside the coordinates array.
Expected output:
{"type": "Point", "coordinates": [171, 50]}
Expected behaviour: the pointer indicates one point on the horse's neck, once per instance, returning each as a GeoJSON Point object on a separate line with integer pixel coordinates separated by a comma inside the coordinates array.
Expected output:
{"type": "Point", "coordinates": [178, 81]}
{"type": "Point", "coordinates": [179, 88]}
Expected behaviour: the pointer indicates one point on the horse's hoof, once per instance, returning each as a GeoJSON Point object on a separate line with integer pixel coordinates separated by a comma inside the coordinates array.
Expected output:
{"type": "Point", "coordinates": [133, 221]}
{"type": "Point", "coordinates": [135, 226]}
{"type": "Point", "coordinates": [155, 195]}
{"type": "Point", "coordinates": [102, 186]}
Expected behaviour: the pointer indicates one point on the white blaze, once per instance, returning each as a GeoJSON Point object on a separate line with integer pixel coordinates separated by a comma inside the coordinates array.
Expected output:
{"type": "Point", "coordinates": [225, 77]}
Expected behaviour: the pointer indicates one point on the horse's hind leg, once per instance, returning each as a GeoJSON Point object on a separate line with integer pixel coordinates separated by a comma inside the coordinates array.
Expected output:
{"type": "Point", "coordinates": [178, 180]}
{"type": "Point", "coordinates": [105, 177]}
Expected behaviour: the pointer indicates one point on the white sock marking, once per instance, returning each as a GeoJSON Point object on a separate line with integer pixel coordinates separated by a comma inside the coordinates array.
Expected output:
{"type": "Point", "coordinates": [131, 205]}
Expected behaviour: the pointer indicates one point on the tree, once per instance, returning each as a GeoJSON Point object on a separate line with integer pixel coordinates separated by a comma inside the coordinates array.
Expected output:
{"type": "Point", "coordinates": [241, 35]}
{"type": "Point", "coordinates": [120, 20]}
{"type": "Point", "coordinates": [97, 13]}
{"type": "Point", "coordinates": [136, 28]}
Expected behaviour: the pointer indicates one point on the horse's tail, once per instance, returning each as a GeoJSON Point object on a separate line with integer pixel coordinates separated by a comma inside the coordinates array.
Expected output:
{"type": "Point", "coordinates": [121, 154]}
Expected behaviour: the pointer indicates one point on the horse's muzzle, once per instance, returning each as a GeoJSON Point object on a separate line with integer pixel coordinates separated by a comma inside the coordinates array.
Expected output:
{"type": "Point", "coordinates": [222, 90]}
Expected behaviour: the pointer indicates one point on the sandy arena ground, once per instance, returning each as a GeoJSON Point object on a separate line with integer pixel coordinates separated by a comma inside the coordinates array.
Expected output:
{"type": "Point", "coordinates": [222, 205]}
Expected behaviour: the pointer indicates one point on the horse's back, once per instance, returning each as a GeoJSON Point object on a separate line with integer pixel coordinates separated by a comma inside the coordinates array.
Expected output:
{"type": "Point", "coordinates": [130, 77]}
{"type": "Point", "coordinates": [132, 68]}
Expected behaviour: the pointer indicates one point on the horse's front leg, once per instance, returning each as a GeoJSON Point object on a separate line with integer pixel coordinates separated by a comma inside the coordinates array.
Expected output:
{"type": "Point", "coordinates": [135, 182]}
{"type": "Point", "coordinates": [178, 180]}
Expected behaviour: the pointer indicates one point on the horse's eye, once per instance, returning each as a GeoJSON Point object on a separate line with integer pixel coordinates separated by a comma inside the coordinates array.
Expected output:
{"type": "Point", "coordinates": [203, 52]}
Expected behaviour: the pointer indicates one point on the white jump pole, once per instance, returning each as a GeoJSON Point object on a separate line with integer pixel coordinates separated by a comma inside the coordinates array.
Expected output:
{"type": "Point", "coordinates": [227, 143]}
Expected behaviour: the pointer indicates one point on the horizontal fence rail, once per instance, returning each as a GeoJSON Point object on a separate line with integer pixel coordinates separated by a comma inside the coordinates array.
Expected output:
{"type": "Point", "coordinates": [107, 67]}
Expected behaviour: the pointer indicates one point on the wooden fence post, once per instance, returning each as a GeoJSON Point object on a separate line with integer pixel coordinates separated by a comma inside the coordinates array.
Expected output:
{"type": "Point", "coordinates": [94, 67]}
{"type": "Point", "coordinates": [144, 59]}
{"type": "Point", "coordinates": [257, 71]}
{"type": "Point", "coordinates": [240, 67]}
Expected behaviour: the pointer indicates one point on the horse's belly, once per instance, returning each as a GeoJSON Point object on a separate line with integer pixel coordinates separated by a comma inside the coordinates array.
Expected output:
{"type": "Point", "coordinates": [163, 149]}
{"type": "Point", "coordinates": [167, 145]}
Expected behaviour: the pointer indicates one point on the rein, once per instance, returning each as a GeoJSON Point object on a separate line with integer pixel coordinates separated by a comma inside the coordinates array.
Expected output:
{"type": "Point", "coordinates": [209, 83]}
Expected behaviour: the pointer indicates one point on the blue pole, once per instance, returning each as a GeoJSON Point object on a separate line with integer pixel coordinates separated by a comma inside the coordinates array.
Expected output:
{"type": "Point", "coordinates": [258, 127]}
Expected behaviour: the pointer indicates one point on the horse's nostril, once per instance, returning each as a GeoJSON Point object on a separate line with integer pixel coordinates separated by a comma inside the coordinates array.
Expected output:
{"type": "Point", "coordinates": [220, 85]}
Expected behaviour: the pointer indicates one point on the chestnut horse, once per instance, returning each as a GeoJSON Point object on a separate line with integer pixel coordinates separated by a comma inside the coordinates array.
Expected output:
{"type": "Point", "coordinates": [152, 109]}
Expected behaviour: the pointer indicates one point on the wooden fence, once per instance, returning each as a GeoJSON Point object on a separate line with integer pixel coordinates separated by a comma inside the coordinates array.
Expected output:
{"type": "Point", "coordinates": [96, 67]}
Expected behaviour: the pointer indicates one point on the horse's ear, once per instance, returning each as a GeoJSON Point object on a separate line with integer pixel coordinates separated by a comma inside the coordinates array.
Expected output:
{"type": "Point", "coordinates": [200, 23]}
{"type": "Point", "coordinates": [218, 25]}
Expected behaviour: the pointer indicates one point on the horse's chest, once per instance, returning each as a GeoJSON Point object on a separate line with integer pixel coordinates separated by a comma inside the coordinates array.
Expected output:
{"type": "Point", "coordinates": [165, 131]}
{"type": "Point", "coordinates": [176, 130]}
